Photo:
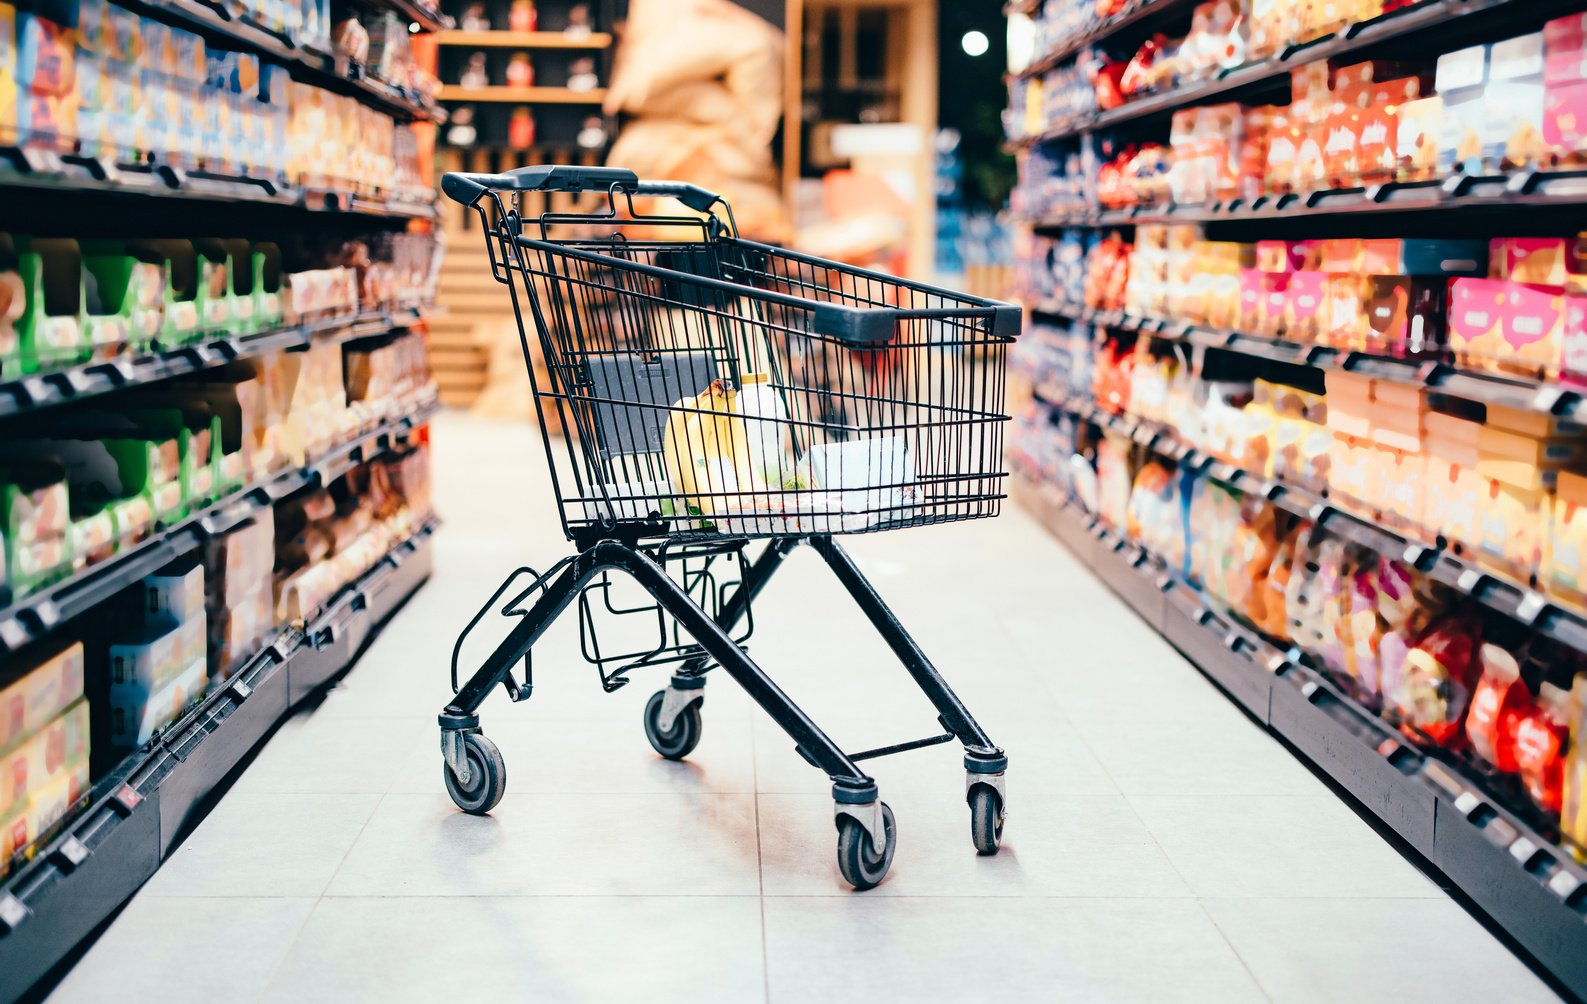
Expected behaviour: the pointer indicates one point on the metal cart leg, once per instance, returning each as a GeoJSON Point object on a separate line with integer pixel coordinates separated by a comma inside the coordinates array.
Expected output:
{"type": "Point", "coordinates": [475, 773]}
{"type": "Point", "coordinates": [673, 721]}
{"type": "Point", "coordinates": [984, 763]}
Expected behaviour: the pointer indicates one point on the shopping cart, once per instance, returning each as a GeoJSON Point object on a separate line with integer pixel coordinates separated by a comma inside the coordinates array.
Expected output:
{"type": "Point", "coordinates": [716, 392]}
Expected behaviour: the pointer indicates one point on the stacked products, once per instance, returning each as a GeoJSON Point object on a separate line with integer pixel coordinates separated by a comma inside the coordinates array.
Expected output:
{"type": "Point", "coordinates": [1479, 111]}
{"type": "Point", "coordinates": [106, 476]}
{"type": "Point", "coordinates": [126, 89]}
{"type": "Point", "coordinates": [44, 742]}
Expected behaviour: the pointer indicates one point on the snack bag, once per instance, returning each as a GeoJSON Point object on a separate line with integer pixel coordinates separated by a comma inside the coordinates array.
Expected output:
{"type": "Point", "coordinates": [1498, 705]}
{"type": "Point", "coordinates": [1541, 740]}
{"type": "Point", "coordinates": [1303, 593]}
{"type": "Point", "coordinates": [1275, 588]}
{"type": "Point", "coordinates": [1336, 565]}
{"type": "Point", "coordinates": [1255, 542]}
{"type": "Point", "coordinates": [1440, 670]}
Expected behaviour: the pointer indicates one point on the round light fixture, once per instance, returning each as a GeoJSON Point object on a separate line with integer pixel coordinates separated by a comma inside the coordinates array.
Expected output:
{"type": "Point", "coordinates": [975, 43]}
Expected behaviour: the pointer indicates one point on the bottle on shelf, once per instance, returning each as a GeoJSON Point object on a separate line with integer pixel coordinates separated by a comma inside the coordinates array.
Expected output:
{"type": "Point", "coordinates": [593, 134]}
{"type": "Point", "coordinates": [523, 16]}
{"type": "Point", "coordinates": [578, 21]}
{"type": "Point", "coordinates": [520, 71]}
{"type": "Point", "coordinates": [460, 129]}
{"type": "Point", "coordinates": [474, 74]}
{"type": "Point", "coordinates": [474, 18]}
{"type": "Point", "coordinates": [581, 75]}
{"type": "Point", "coordinates": [521, 129]}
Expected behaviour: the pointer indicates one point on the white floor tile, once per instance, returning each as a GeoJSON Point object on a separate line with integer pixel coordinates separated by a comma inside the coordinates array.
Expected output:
{"type": "Point", "coordinates": [556, 949]}
{"type": "Point", "coordinates": [1342, 949]}
{"type": "Point", "coordinates": [188, 949]}
{"type": "Point", "coordinates": [1300, 846]}
{"type": "Point", "coordinates": [561, 845]}
{"type": "Point", "coordinates": [1006, 950]}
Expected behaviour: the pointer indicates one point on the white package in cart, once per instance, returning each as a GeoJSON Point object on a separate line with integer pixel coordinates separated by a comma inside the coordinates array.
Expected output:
{"type": "Point", "coordinates": [871, 478]}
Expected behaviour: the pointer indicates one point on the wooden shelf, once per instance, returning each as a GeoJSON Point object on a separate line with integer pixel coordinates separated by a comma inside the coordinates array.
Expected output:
{"type": "Point", "coordinates": [524, 39]}
{"type": "Point", "coordinates": [524, 95]}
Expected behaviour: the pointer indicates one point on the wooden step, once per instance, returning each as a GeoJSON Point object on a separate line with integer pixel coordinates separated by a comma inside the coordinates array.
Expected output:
{"type": "Point", "coordinates": [490, 302]}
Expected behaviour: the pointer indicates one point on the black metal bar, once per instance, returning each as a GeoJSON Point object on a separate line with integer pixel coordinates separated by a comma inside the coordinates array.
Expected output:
{"type": "Point", "coordinates": [523, 635]}
{"type": "Point", "coordinates": [913, 744]}
{"type": "Point", "coordinates": [756, 575]}
{"type": "Point", "coordinates": [955, 716]}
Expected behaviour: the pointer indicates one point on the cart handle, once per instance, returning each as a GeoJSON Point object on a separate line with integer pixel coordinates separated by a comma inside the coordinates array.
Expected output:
{"type": "Point", "coordinates": [468, 188]}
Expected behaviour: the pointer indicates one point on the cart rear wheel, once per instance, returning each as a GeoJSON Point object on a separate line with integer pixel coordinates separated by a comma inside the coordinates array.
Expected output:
{"type": "Point", "coordinates": [678, 741]}
{"type": "Point", "coordinates": [487, 776]}
{"type": "Point", "coordinates": [986, 819]}
{"type": "Point", "coordinates": [858, 860]}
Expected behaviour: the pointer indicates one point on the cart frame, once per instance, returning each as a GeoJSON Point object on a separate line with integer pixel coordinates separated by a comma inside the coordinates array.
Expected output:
{"type": "Point", "coordinates": [473, 768]}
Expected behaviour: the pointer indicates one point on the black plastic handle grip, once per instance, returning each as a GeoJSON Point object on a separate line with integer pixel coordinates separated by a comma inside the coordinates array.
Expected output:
{"type": "Point", "coordinates": [696, 198]}
{"type": "Point", "coordinates": [468, 188]}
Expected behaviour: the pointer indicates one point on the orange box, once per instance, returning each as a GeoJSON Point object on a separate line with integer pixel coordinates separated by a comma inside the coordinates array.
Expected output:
{"type": "Point", "coordinates": [1348, 461]}
{"type": "Point", "coordinates": [1533, 423]}
{"type": "Point", "coordinates": [1400, 486]}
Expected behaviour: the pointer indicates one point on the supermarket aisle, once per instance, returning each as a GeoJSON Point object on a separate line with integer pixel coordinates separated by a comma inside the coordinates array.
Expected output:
{"type": "Point", "coordinates": [1159, 845]}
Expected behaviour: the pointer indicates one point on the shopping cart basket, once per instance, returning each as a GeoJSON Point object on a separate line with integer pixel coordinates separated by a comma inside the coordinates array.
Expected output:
{"type": "Point", "coordinates": [716, 392]}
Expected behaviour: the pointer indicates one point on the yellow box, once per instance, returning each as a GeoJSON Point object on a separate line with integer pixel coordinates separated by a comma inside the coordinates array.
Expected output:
{"type": "Point", "coordinates": [33, 696]}
{"type": "Point", "coordinates": [1452, 499]}
{"type": "Point", "coordinates": [1514, 529]}
{"type": "Point", "coordinates": [39, 761]}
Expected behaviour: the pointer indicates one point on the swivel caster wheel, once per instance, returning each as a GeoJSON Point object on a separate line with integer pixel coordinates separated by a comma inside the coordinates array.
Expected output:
{"type": "Point", "coordinates": [986, 819]}
{"type": "Point", "coordinates": [487, 776]}
{"type": "Point", "coordinates": [683, 735]}
{"type": "Point", "coordinates": [862, 865]}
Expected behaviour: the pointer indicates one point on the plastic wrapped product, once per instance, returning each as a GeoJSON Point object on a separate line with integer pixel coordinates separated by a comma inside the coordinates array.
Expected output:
{"type": "Point", "coordinates": [1541, 741]}
{"type": "Point", "coordinates": [1440, 671]}
{"type": "Point", "coordinates": [1499, 704]}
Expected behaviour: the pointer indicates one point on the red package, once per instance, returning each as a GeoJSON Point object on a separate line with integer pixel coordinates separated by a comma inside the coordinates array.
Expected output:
{"type": "Point", "coordinates": [1540, 742]}
{"type": "Point", "coordinates": [1498, 706]}
{"type": "Point", "coordinates": [1106, 77]}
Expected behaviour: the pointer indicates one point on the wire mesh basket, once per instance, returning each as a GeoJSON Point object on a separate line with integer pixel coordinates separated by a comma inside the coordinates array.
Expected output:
{"type": "Point", "coordinates": [717, 386]}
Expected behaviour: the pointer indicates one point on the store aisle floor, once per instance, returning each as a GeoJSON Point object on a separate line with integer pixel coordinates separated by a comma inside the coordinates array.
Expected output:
{"type": "Point", "coordinates": [1160, 846]}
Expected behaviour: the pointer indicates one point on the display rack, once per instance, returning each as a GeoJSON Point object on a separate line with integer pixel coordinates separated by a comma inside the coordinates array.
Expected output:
{"type": "Point", "coordinates": [135, 816]}
{"type": "Point", "coordinates": [1432, 23]}
{"type": "Point", "coordinates": [1549, 397]}
{"type": "Point", "coordinates": [218, 23]}
{"type": "Point", "coordinates": [1519, 877]}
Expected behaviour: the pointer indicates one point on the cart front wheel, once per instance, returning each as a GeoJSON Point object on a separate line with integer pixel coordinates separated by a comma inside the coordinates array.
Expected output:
{"type": "Point", "coordinates": [986, 819]}
{"type": "Point", "coordinates": [862, 866]}
{"type": "Point", "coordinates": [678, 741]}
{"type": "Point", "coordinates": [487, 776]}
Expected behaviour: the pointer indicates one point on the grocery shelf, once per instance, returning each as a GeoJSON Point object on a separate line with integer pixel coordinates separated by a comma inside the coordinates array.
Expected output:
{"type": "Point", "coordinates": [36, 614]}
{"type": "Point", "coordinates": [45, 172]}
{"type": "Point", "coordinates": [1442, 560]}
{"type": "Point", "coordinates": [1430, 23]}
{"type": "Point", "coordinates": [1501, 196]}
{"type": "Point", "coordinates": [217, 22]}
{"type": "Point", "coordinates": [135, 816]}
{"type": "Point", "coordinates": [1133, 14]}
{"type": "Point", "coordinates": [1548, 397]}
{"type": "Point", "coordinates": [36, 391]}
{"type": "Point", "coordinates": [524, 95]}
{"type": "Point", "coordinates": [1516, 874]}
{"type": "Point", "coordinates": [525, 39]}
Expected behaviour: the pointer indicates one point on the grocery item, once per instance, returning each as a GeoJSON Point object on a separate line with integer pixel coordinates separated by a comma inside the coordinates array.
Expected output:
{"type": "Point", "coordinates": [1441, 669]}
{"type": "Point", "coordinates": [40, 683]}
{"type": "Point", "coordinates": [707, 451]}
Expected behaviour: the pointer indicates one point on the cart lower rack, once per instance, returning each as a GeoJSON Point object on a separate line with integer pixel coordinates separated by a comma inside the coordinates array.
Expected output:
{"type": "Point", "coordinates": [726, 401]}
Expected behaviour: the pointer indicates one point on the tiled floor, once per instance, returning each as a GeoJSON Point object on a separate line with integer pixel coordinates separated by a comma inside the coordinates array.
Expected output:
{"type": "Point", "coordinates": [1159, 846]}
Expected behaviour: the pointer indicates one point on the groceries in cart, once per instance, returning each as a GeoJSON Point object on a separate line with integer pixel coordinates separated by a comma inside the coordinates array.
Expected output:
{"type": "Point", "coordinates": [729, 458]}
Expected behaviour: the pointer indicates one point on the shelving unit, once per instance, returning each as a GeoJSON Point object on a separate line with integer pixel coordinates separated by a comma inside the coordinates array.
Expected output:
{"type": "Point", "coordinates": [1431, 23]}
{"type": "Point", "coordinates": [524, 39]}
{"type": "Point", "coordinates": [1545, 396]}
{"type": "Point", "coordinates": [81, 870]}
{"type": "Point", "coordinates": [1497, 849]}
{"type": "Point", "coordinates": [311, 66]}
{"type": "Point", "coordinates": [524, 95]}
{"type": "Point", "coordinates": [135, 816]}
